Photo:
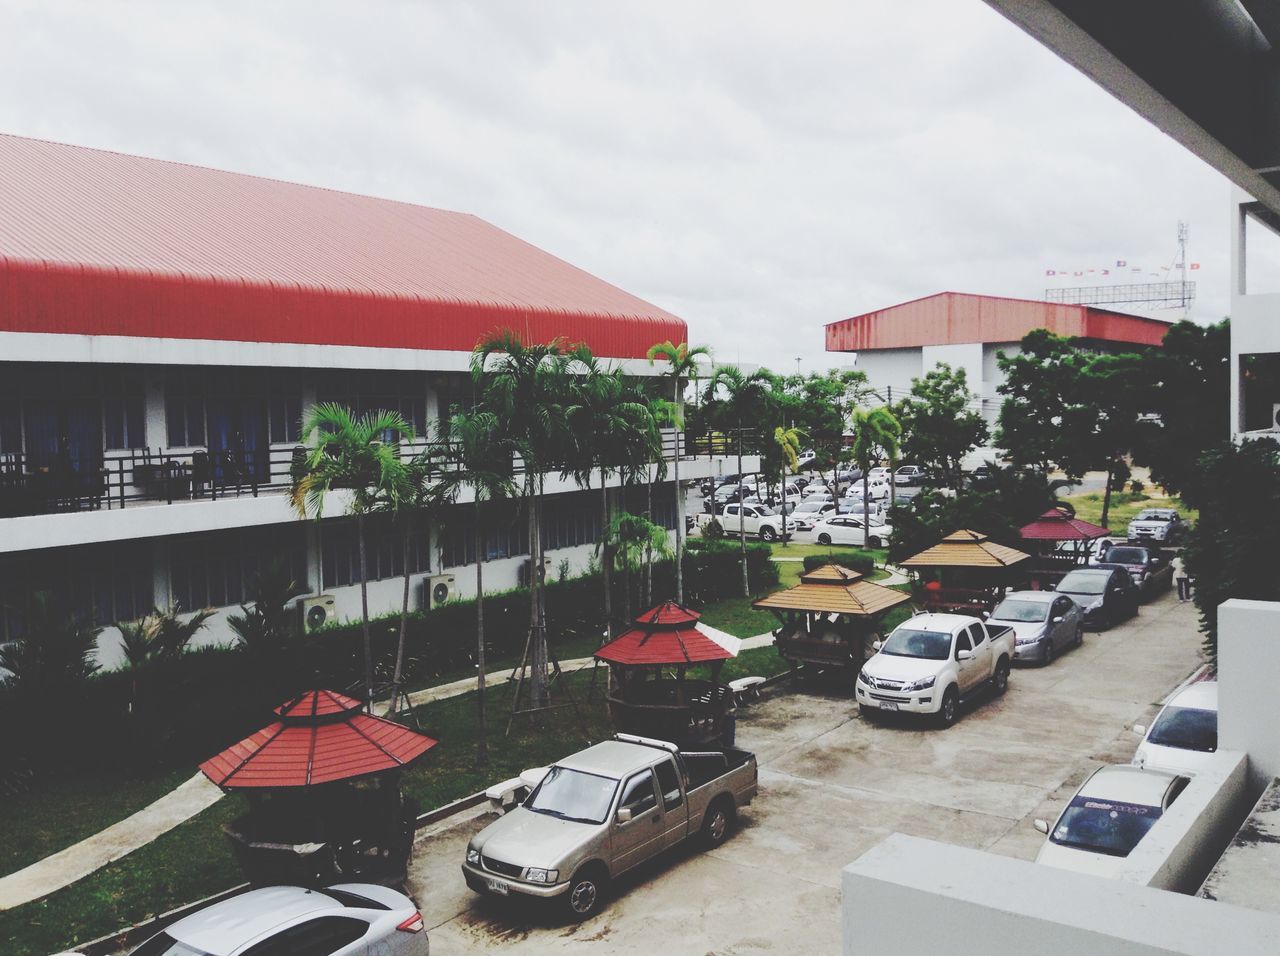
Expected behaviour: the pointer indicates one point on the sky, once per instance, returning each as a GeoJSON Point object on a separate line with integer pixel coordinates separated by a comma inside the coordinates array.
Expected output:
{"type": "Point", "coordinates": [759, 169]}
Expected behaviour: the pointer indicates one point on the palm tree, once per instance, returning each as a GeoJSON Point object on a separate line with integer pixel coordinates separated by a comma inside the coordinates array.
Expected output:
{"type": "Point", "coordinates": [265, 624]}
{"type": "Point", "coordinates": [526, 387]}
{"type": "Point", "coordinates": [361, 457]}
{"type": "Point", "coordinates": [482, 461]}
{"type": "Point", "coordinates": [745, 397]}
{"type": "Point", "coordinates": [608, 424]}
{"type": "Point", "coordinates": [682, 363]}
{"type": "Point", "coordinates": [788, 441]}
{"type": "Point", "coordinates": [875, 432]}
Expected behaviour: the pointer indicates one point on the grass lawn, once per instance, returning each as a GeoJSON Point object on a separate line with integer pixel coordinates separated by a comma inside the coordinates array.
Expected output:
{"type": "Point", "coordinates": [63, 811]}
{"type": "Point", "coordinates": [194, 860]}
{"type": "Point", "coordinates": [1124, 506]}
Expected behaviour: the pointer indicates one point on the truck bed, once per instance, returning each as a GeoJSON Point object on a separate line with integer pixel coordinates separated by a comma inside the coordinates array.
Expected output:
{"type": "Point", "coordinates": [706, 767]}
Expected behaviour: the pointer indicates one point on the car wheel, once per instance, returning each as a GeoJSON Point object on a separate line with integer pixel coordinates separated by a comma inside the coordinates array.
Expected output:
{"type": "Point", "coordinates": [824, 539]}
{"type": "Point", "coordinates": [1000, 679]}
{"type": "Point", "coordinates": [1048, 651]}
{"type": "Point", "coordinates": [873, 542]}
{"type": "Point", "coordinates": [950, 707]}
{"type": "Point", "coordinates": [767, 533]}
{"type": "Point", "coordinates": [586, 892]}
{"type": "Point", "coordinates": [716, 824]}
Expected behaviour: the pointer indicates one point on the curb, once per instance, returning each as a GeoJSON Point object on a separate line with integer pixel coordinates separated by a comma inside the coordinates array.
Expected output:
{"type": "Point", "coordinates": [114, 942]}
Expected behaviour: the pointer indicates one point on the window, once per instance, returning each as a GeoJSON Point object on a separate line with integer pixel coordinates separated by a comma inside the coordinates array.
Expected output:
{"type": "Point", "coordinates": [284, 406]}
{"type": "Point", "coordinates": [216, 569]}
{"type": "Point", "coordinates": [184, 399]}
{"type": "Point", "coordinates": [976, 634]}
{"type": "Point", "coordinates": [963, 643]}
{"type": "Point", "coordinates": [505, 533]}
{"type": "Point", "coordinates": [403, 392]}
{"type": "Point", "coordinates": [384, 551]}
{"type": "Point", "coordinates": [669, 784]}
{"type": "Point", "coordinates": [638, 795]}
{"type": "Point", "coordinates": [317, 937]}
{"type": "Point", "coordinates": [122, 410]}
{"type": "Point", "coordinates": [10, 425]}
{"type": "Point", "coordinates": [97, 584]}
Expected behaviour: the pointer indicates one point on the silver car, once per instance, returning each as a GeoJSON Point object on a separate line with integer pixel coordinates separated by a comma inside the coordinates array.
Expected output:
{"type": "Point", "coordinates": [1043, 623]}
{"type": "Point", "coordinates": [345, 920]}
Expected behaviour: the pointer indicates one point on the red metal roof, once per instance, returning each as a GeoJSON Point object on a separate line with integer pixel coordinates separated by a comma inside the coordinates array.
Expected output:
{"type": "Point", "coordinates": [956, 318]}
{"type": "Point", "coordinates": [666, 634]}
{"type": "Point", "coordinates": [1056, 525]}
{"type": "Point", "coordinates": [320, 739]}
{"type": "Point", "coordinates": [102, 243]}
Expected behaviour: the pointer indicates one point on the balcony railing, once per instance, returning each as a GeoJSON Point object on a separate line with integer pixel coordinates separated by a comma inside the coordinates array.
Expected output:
{"type": "Point", "coordinates": [52, 484]}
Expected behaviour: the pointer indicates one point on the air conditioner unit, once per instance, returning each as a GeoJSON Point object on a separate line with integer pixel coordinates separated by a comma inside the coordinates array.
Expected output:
{"type": "Point", "coordinates": [438, 589]}
{"type": "Point", "coordinates": [317, 611]}
{"type": "Point", "coordinates": [526, 568]}
{"type": "Point", "coordinates": [1275, 416]}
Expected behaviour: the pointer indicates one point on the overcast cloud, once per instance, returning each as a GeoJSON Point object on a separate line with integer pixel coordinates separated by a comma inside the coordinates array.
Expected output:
{"type": "Point", "coordinates": [757, 168]}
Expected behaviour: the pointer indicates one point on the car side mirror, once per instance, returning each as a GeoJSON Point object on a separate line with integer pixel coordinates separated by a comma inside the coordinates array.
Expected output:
{"type": "Point", "coordinates": [964, 655]}
{"type": "Point", "coordinates": [1140, 729]}
{"type": "Point", "coordinates": [1051, 587]}
{"type": "Point", "coordinates": [624, 815]}
{"type": "Point", "coordinates": [985, 615]}
{"type": "Point", "coordinates": [1042, 826]}
{"type": "Point", "coordinates": [1059, 619]}
{"type": "Point", "coordinates": [876, 645]}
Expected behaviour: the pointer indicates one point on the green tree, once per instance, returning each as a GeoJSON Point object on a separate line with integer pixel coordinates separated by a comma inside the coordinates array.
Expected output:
{"type": "Point", "coordinates": [482, 463]}
{"type": "Point", "coordinates": [940, 425]}
{"type": "Point", "coordinates": [1189, 392]}
{"type": "Point", "coordinates": [740, 398]}
{"type": "Point", "coordinates": [875, 435]}
{"type": "Point", "coordinates": [1230, 553]}
{"type": "Point", "coordinates": [159, 635]}
{"type": "Point", "coordinates": [788, 442]}
{"type": "Point", "coordinates": [682, 364]}
{"type": "Point", "coordinates": [361, 457]}
{"type": "Point", "coordinates": [53, 656]}
{"type": "Point", "coordinates": [527, 387]}
{"type": "Point", "coordinates": [267, 623]}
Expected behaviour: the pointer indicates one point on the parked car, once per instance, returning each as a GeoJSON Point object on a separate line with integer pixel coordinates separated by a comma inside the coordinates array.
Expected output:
{"type": "Point", "coordinates": [877, 489]}
{"type": "Point", "coordinates": [1184, 733]}
{"type": "Point", "coordinates": [880, 472]}
{"type": "Point", "coordinates": [1043, 623]}
{"type": "Point", "coordinates": [847, 529]}
{"type": "Point", "coordinates": [343, 920]}
{"type": "Point", "coordinates": [1148, 568]}
{"type": "Point", "coordinates": [1157, 524]}
{"type": "Point", "coordinates": [1107, 594]}
{"type": "Point", "coordinates": [848, 475]}
{"type": "Point", "coordinates": [603, 811]}
{"type": "Point", "coordinates": [709, 486]}
{"type": "Point", "coordinates": [806, 458]}
{"type": "Point", "coordinates": [910, 475]}
{"type": "Point", "coordinates": [1109, 815]}
{"type": "Point", "coordinates": [755, 519]}
{"type": "Point", "coordinates": [817, 486]}
{"type": "Point", "coordinates": [932, 662]}
{"type": "Point", "coordinates": [807, 513]}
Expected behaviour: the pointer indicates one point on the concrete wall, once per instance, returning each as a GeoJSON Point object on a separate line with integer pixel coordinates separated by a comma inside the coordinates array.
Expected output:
{"type": "Point", "coordinates": [890, 371]}
{"type": "Point", "coordinates": [907, 892]}
{"type": "Point", "coordinates": [1248, 670]}
{"type": "Point", "coordinates": [1255, 319]}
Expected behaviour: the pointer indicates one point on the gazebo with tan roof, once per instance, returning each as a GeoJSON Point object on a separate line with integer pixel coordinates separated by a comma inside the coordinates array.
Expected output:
{"type": "Point", "coordinates": [967, 571]}
{"type": "Point", "coordinates": [825, 619]}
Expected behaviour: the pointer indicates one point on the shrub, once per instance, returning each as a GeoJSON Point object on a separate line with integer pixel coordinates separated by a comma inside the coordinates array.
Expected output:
{"type": "Point", "coordinates": [713, 530]}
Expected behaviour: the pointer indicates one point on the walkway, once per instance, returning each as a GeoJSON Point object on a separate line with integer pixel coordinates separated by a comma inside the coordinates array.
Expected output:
{"type": "Point", "coordinates": [77, 861]}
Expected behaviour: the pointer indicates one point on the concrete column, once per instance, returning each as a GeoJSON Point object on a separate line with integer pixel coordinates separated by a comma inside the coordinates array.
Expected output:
{"type": "Point", "coordinates": [315, 567]}
{"type": "Point", "coordinates": [1248, 670]}
{"type": "Point", "coordinates": [161, 582]}
{"type": "Point", "coordinates": [156, 431]}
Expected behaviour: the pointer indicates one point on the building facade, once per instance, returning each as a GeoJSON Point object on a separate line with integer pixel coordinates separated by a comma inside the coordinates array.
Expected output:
{"type": "Point", "coordinates": [163, 329]}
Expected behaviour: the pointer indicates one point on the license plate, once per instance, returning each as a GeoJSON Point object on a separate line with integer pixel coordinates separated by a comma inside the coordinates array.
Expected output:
{"type": "Point", "coordinates": [501, 887]}
{"type": "Point", "coordinates": [888, 705]}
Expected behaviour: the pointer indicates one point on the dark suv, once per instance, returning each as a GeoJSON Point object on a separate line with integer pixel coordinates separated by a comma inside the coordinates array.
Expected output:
{"type": "Point", "coordinates": [1147, 566]}
{"type": "Point", "coordinates": [1107, 594]}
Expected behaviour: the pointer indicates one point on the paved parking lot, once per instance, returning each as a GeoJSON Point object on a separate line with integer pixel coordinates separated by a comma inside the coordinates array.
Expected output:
{"type": "Point", "coordinates": [833, 785]}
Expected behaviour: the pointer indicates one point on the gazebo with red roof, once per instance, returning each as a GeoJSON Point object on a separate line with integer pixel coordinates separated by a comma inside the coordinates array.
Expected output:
{"type": "Point", "coordinates": [323, 784]}
{"type": "Point", "coordinates": [652, 693]}
{"type": "Point", "coordinates": [1050, 531]}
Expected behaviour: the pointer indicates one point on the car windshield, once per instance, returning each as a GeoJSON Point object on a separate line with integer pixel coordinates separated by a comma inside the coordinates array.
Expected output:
{"type": "Point", "coordinates": [1103, 826]}
{"type": "Point", "coordinates": [810, 506]}
{"type": "Point", "coordinates": [1187, 728]}
{"type": "Point", "coordinates": [1021, 611]}
{"type": "Point", "coordinates": [1126, 556]}
{"type": "Point", "coordinates": [1084, 582]}
{"type": "Point", "coordinates": [763, 510]}
{"type": "Point", "coordinates": [162, 944]}
{"type": "Point", "coordinates": [1154, 516]}
{"type": "Point", "coordinates": [907, 642]}
{"type": "Point", "coordinates": [573, 795]}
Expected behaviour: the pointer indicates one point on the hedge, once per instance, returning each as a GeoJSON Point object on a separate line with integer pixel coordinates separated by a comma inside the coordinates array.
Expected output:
{"type": "Point", "coordinates": [183, 710]}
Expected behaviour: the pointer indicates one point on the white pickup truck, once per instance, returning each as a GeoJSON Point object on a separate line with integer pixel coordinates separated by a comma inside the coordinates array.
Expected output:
{"type": "Point", "coordinates": [760, 520]}
{"type": "Point", "coordinates": [932, 662]}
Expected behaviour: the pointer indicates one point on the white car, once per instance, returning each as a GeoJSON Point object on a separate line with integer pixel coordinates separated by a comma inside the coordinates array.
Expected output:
{"type": "Point", "coordinates": [877, 489]}
{"type": "Point", "coordinates": [809, 512]}
{"type": "Point", "coordinates": [816, 487]}
{"type": "Point", "coordinates": [1184, 734]}
{"type": "Point", "coordinates": [1109, 815]}
{"type": "Point", "coordinates": [875, 473]}
{"type": "Point", "coordinates": [847, 529]}
{"type": "Point", "coordinates": [344, 920]}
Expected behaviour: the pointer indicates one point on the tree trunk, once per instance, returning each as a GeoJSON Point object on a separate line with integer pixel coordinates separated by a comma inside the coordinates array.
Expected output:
{"type": "Point", "coordinates": [538, 635]}
{"type": "Point", "coordinates": [404, 609]}
{"type": "Point", "coordinates": [742, 524]}
{"type": "Point", "coordinates": [482, 743]}
{"type": "Point", "coordinates": [364, 616]}
{"type": "Point", "coordinates": [866, 501]}
{"type": "Point", "coordinates": [648, 555]}
{"type": "Point", "coordinates": [679, 505]}
{"type": "Point", "coordinates": [1106, 495]}
{"type": "Point", "coordinates": [783, 490]}
{"type": "Point", "coordinates": [606, 559]}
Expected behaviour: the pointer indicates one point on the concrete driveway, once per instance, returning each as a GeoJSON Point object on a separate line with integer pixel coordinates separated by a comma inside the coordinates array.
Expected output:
{"type": "Point", "coordinates": [831, 786]}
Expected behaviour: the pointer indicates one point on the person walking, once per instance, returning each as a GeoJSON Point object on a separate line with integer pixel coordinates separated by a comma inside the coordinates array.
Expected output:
{"type": "Point", "coordinates": [1180, 575]}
